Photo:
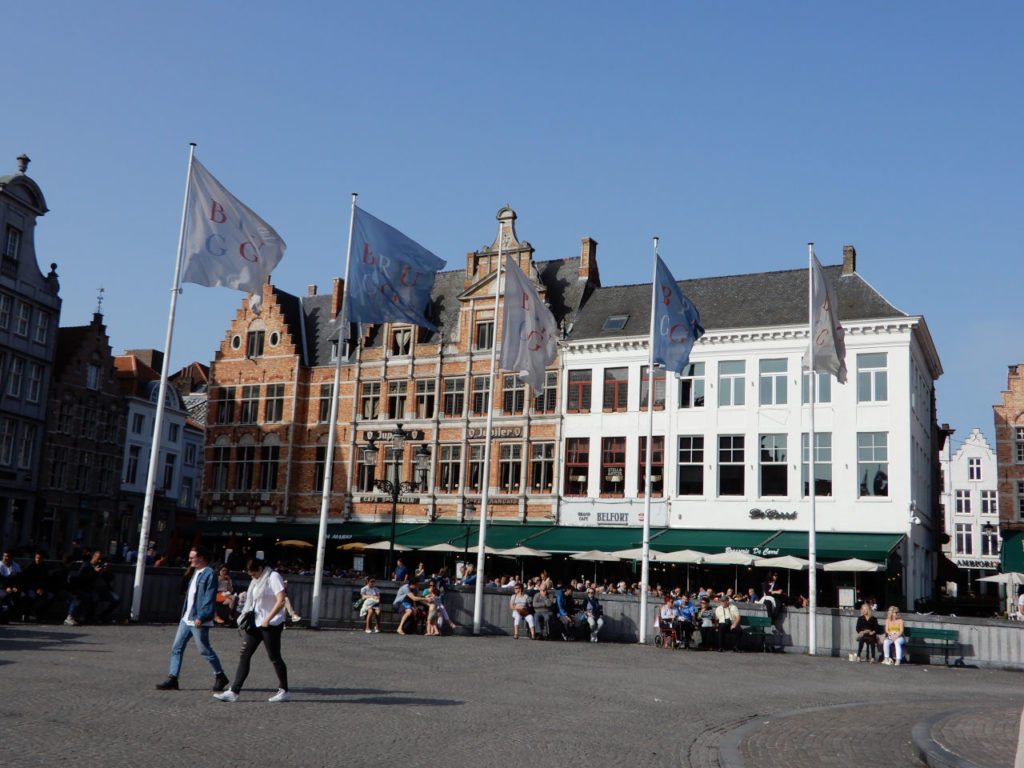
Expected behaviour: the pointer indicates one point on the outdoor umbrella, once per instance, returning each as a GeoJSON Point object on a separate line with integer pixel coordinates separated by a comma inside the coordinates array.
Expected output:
{"type": "Point", "coordinates": [519, 553]}
{"type": "Point", "coordinates": [357, 546]}
{"type": "Point", "coordinates": [637, 553]}
{"type": "Point", "coordinates": [735, 558]}
{"type": "Point", "coordinates": [444, 546]}
{"type": "Point", "coordinates": [294, 543]}
{"type": "Point", "coordinates": [1010, 579]}
{"type": "Point", "coordinates": [788, 562]}
{"type": "Point", "coordinates": [487, 550]}
{"type": "Point", "coordinates": [855, 565]}
{"type": "Point", "coordinates": [688, 556]}
{"type": "Point", "coordinates": [596, 556]}
{"type": "Point", "coordinates": [387, 545]}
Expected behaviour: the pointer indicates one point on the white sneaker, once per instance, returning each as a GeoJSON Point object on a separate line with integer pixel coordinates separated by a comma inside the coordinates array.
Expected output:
{"type": "Point", "coordinates": [853, 657]}
{"type": "Point", "coordinates": [227, 695]}
{"type": "Point", "coordinates": [296, 619]}
{"type": "Point", "coordinates": [897, 662]}
{"type": "Point", "coordinates": [281, 695]}
{"type": "Point", "coordinates": [376, 631]}
{"type": "Point", "coordinates": [367, 632]}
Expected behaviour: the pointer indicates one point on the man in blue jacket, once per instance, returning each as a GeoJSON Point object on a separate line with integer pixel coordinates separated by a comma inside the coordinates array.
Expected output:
{"type": "Point", "coordinates": [196, 620]}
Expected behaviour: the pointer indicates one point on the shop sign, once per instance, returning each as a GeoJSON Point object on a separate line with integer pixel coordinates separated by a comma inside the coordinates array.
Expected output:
{"type": "Point", "coordinates": [477, 432]}
{"type": "Point", "coordinates": [770, 514]}
{"type": "Point", "coordinates": [386, 435]}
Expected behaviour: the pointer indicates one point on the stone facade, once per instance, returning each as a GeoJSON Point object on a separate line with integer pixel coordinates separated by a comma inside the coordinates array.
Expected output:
{"type": "Point", "coordinates": [29, 316]}
{"type": "Point", "coordinates": [1009, 423]}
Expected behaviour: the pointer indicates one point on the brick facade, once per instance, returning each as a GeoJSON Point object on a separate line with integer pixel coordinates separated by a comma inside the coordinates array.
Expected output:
{"type": "Point", "coordinates": [1009, 422]}
{"type": "Point", "coordinates": [429, 382]}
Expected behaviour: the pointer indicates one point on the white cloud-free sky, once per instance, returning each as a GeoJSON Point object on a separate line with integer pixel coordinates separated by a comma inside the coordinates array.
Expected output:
{"type": "Point", "coordinates": [735, 132]}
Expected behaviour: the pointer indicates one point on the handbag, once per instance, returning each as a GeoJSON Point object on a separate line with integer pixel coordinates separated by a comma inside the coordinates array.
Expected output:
{"type": "Point", "coordinates": [247, 623]}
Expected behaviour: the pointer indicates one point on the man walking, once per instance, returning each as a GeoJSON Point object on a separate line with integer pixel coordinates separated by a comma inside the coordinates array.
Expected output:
{"type": "Point", "coordinates": [196, 620]}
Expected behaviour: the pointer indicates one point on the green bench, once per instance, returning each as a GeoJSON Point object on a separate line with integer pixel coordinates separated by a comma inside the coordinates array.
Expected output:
{"type": "Point", "coordinates": [932, 640]}
{"type": "Point", "coordinates": [758, 626]}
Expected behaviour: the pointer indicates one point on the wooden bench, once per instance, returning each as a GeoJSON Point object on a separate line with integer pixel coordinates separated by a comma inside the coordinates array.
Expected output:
{"type": "Point", "coordinates": [758, 626]}
{"type": "Point", "coordinates": [928, 640]}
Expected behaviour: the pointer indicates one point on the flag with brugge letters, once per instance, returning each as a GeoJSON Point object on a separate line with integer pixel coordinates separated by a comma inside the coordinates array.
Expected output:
{"type": "Point", "coordinates": [226, 243]}
{"type": "Point", "coordinates": [528, 329]}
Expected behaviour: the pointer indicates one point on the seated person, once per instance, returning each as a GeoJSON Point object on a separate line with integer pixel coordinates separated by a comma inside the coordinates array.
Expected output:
{"type": "Point", "coordinates": [867, 634]}
{"type": "Point", "coordinates": [12, 602]}
{"type": "Point", "coordinates": [893, 636]}
{"type": "Point", "coordinates": [727, 624]}
{"type": "Point", "coordinates": [371, 605]}
{"type": "Point", "coordinates": [542, 604]}
{"type": "Point", "coordinates": [566, 605]}
{"type": "Point", "coordinates": [406, 600]}
{"type": "Point", "coordinates": [667, 616]}
{"type": "Point", "coordinates": [225, 606]}
{"type": "Point", "coordinates": [706, 619]}
{"type": "Point", "coordinates": [686, 613]}
{"type": "Point", "coordinates": [520, 605]}
{"type": "Point", "coordinates": [594, 613]}
{"type": "Point", "coordinates": [36, 583]}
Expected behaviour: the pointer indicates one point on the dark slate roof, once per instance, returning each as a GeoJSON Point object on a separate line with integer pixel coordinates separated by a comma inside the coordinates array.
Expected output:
{"type": "Point", "coordinates": [560, 277]}
{"type": "Point", "coordinates": [757, 300]}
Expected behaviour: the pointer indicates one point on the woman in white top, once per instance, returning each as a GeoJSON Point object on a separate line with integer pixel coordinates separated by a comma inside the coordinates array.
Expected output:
{"type": "Point", "coordinates": [266, 600]}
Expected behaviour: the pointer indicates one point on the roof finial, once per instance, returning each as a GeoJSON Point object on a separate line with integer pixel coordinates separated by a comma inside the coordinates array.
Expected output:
{"type": "Point", "coordinates": [23, 161]}
{"type": "Point", "coordinates": [99, 301]}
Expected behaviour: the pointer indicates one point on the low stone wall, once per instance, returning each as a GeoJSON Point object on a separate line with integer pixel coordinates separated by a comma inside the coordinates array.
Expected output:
{"type": "Point", "coordinates": [990, 643]}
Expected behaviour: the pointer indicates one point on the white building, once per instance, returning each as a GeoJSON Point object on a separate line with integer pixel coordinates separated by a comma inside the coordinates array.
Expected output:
{"type": "Point", "coordinates": [730, 459]}
{"type": "Point", "coordinates": [970, 503]}
{"type": "Point", "coordinates": [179, 463]}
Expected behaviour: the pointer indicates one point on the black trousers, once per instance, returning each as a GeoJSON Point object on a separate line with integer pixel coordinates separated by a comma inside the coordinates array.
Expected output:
{"type": "Point", "coordinates": [684, 631]}
{"type": "Point", "coordinates": [724, 631]}
{"type": "Point", "coordinates": [271, 637]}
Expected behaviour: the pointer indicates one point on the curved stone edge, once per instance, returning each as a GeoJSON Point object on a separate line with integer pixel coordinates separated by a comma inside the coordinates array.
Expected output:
{"type": "Point", "coordinates": [930, 752]}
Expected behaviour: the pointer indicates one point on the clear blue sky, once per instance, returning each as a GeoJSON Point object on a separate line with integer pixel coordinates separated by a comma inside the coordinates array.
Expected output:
{"type": "Point", "coordinates": [736, 132]}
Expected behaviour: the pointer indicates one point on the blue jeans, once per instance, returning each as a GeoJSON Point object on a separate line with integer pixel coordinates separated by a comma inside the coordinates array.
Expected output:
{"type": "Point", "coordinates": [202, 637]}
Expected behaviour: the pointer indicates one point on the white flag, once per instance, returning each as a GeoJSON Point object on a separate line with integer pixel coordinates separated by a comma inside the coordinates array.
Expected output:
{"type": "Point", "coordinates": [827, 343]}
{"type": "Point", "coordinates": [528, 329]}
{"type": "Point", "coordinates": [227, 244]}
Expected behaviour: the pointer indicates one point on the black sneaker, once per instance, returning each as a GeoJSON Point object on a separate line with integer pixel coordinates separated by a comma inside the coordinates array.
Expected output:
{"type": "Point", "coordinates": [220, 682]}
{"type": "Point", "coordinates": [170, 684]}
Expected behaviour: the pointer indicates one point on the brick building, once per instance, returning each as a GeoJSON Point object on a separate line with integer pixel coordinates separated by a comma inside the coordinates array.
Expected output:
{"type": "Point", "coordinates": [1009, 421]}
{"type": "Point", "coordinates": [269, 404]}
{"type": "Point", "coordinates": [79, 479]}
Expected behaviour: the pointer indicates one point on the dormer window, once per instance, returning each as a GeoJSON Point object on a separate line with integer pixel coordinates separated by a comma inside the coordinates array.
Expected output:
{"type": "Point", "coordinates": [12, 243]}
{"type": "Point", "coordinates": [615, 323]}
{"type": "Point", "coordinates": [254, 340]}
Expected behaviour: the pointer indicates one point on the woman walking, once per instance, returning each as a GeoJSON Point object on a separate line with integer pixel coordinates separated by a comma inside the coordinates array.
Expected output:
{"type": "Point", "coordinates": [265, 601]}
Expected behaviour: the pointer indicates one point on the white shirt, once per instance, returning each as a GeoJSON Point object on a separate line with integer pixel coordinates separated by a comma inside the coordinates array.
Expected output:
{"type": "Point", "coordinates": [263, 603]}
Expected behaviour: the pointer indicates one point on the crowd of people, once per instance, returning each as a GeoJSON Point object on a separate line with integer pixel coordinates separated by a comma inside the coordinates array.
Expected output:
{"type": "Point", "coordinates": [82, 588]}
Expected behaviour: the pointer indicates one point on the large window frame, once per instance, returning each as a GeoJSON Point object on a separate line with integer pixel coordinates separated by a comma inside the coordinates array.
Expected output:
{"type": "Point", "coordinates": [773, 464]}
{"type": "Point", "coordinates": [772, 381]}
{"type": "Point", "coordinates": [659, 388]}
{"type": "Point", "coordinates": [616, 389]}
{"type": "Point", "coordinates": [822, 464]}
{"type": "Point", "coordinates": [454, 398]}
{"type": "Point", "coordinates": [691, 386]}
{"type": "Point", "coordinates": [731, 467]}
{"type": "Point", "coordinates": [872, 464]}
{"type": "Point", "coordinates": [578, 390]}
{"type": "Point", "coordinates": [510, 467]}
{"type": "Point", "coordinates": [657, 466]}
{"type": "Point", "coordinates": [577, 466]}
{"type": "Point", "coordinates": [732, 377]}
{"type": "Point", "coordinates": [449, 468]}
{"type": "Point", "coordinates": [872, 377]}
{"type": "Point", "coordinates": [542, 467]}
{"type": "Point", "coordinates": [690, 465]}
{"type": "Point", "coordinates": [613, 466]}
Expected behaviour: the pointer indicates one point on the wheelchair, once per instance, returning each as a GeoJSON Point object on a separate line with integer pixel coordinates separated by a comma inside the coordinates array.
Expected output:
{"type": "Point", "coordinates": [667, 636]}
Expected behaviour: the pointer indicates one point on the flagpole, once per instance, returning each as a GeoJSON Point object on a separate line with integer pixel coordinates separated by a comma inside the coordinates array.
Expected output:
{"type": "Point", "coordinates": [478, 595]}
{"type": "Point", "coordinates": [812, 544]}
{"type": "Point", "coordinates": [158, 419]}
{"type": "Point", "coordinates": [325, 499]}
{"type": "Point", "coordinates": [645, 568]}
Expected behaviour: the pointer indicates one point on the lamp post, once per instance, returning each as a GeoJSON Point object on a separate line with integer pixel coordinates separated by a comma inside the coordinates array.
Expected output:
{"type": "Point", "coordinates": [396, 487]}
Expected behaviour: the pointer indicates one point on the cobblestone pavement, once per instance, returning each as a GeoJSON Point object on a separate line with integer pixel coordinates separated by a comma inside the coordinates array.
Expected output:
{"type": "Point", "coordinates": [87, 694]}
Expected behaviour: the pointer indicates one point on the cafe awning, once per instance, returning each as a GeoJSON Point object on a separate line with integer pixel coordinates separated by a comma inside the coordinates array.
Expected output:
{"type": "Point", "coordinates": [833, 546]}
{"type": "Point", "coordinates": [1011, 558]}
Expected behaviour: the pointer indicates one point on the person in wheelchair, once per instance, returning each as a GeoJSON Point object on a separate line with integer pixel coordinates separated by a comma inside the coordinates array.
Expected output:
{"type": "Point", "coordinates": [667, 623]}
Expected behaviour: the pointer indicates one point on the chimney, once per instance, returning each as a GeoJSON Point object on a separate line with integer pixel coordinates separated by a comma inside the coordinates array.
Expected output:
{"type": "Point", "coordinates": [849, 260]}
{"type": "Point", "coordinates": [311, 291]}
{"type": "Point", "coordinates": [336, 297]}
{"type": "Point", "coordinates": [588, 261]}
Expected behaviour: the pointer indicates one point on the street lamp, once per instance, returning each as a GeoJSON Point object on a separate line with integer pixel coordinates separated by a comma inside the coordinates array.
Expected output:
{"type": "Point", "coordinates": [421, 462]}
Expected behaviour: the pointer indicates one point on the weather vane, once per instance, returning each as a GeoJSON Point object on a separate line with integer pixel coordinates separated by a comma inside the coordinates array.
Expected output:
{"type": "Point", "coordinates": [99, 301]}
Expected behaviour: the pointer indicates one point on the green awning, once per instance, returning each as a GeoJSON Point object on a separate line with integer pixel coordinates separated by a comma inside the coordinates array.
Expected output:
{"type": "Point", "coordinates": [336, 532]}
{"type": "Point", "coordinates": [568, 540]}
{"type": "Point", "coordinates": [1012, 556]}
{"type": "Point", "coordinates": [710, 541]}
{"type": "Point", "coordinates": [833, 546]}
